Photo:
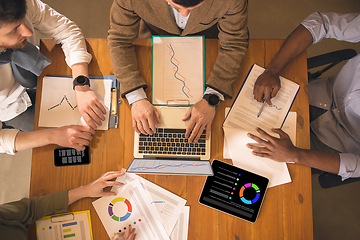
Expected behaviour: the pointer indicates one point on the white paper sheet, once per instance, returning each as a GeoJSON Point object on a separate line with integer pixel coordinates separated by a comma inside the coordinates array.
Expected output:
{"type": "Point", "coordinates": [131, 206]}
{"type": "Point", "coordinates": [178, 69]}
{"type": "Point", "coordinates": [276, 172]}
{"type": "Point", "coordinates": [181, 228]}
{"type": "Point", "coordinates": [58, 104]}
{"type": "Point", "coordinates": [289, 127]}
{"type": "Point", "coordinates": [168, 204]}
{"type": "Point", "coordinates": [244, 111]}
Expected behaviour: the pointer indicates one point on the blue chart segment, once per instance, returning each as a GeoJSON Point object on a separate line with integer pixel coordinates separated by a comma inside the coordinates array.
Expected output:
{"type": "Point", "coordinates": [170, 166]}
{"type": "Point", "coordinates": [177, 75]}
{"type": "Point", "coordinates": [257, 196]}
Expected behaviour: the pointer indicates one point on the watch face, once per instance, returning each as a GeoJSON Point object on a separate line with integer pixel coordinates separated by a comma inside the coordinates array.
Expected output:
{"type": "Point", "coordinates": [81, 79]}
{"type": "Point", "coordinates": [214, 100]}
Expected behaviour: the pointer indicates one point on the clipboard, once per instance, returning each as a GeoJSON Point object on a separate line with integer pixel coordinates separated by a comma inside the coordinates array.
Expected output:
{"type": "Point", "coordinates": [115, 100]}
{"type": "Point", "coordinates": [178, 63]}
{"type": "Point", "coordinates": [72, 225]}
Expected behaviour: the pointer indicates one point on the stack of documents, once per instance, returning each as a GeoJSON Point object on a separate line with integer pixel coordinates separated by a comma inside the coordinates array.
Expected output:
{"type": "Point", "coordinates": [155, 212]}
{"type": "Point", "coordinates": [242, 119]}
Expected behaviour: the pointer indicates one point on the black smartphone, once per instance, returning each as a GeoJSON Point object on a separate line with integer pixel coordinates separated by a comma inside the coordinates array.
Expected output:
{"type": "Point", "coordinates": [71, 156]}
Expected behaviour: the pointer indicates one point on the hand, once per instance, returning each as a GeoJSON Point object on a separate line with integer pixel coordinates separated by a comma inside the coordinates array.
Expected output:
{"type": "Point", "coordinates": [130, 235]}
{"type": "Point", "coordinates": [73, 136]}
{"type": "Point", "coordinates": [202, 115]}
{"type": "Point", "coordinates": [96, 188]}
{"type": "Point", "coordinates": [278, 149]}
{"type": "Point", "coordinates": [266, 87]}
{"type": "Point", "coordinates": [89, 106]}
{"type": "Point", "coordinates": [142, 113]}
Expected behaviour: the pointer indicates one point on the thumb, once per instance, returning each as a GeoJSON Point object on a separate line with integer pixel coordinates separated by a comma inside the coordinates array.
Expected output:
{"type": "Point", "coordinates": [187, 115]}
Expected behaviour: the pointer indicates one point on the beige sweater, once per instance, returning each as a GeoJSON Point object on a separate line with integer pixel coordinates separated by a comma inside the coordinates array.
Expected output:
{"type": "Point", "coordinates": [130, 19]}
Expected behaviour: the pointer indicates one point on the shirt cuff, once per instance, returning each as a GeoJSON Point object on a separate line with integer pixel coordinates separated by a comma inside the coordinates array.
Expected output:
{"type": "Point", "coordinates": [210, 90]}
{"type": "Point", "coordinates": [348, 165]}
{"type": "Point", "coordinates": [135, 95]}
{"type": "Point", "coordinates": [78, 57]}
{"type": "Point", "coordinates": [7, 140]}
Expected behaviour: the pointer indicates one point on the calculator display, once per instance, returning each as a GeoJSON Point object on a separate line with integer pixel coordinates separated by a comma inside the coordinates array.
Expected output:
{"type": "Point", "coordinates": [71, 156]}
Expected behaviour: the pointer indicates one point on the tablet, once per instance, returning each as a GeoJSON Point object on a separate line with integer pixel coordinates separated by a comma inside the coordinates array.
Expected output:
{"type": "Point", "coordinates": [234, 191]}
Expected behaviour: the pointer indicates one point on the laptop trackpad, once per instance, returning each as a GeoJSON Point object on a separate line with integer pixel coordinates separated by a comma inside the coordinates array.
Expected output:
{"type": "Point", "coordinates": [172, 117]}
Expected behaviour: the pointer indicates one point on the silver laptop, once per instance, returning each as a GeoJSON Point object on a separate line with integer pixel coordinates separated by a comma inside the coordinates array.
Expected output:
{"type": "Point", "coordinates": [169, 140]}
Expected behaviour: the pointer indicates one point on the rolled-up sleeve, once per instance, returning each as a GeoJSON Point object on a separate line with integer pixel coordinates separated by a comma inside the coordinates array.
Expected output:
{"type": "Point", "coordinates": [349, 165]}
{"type": "Point", "coordinates": [343, 27]}
{"type": "Point", "coordinates": [61, 29]}
{"type": "Point", "coordinates": [7, 140]}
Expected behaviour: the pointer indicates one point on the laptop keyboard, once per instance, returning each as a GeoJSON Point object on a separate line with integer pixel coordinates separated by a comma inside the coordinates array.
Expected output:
{"type": "Point", "coordinates": [171, 141]}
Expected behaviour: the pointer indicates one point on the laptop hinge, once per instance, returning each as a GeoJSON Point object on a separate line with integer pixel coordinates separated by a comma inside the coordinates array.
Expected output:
{"type": "Point", "coordinates": [171, 158]}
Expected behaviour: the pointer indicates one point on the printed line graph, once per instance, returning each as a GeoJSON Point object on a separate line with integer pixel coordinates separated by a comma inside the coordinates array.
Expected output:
{"type": "Point", "coordinates": [185, 89]}
{"type": "Point", "coordinates": [162, 166]}
{"type": "Point", "coordinates": [59, 104]}
{"type": "Point", "coordinates": [277, 108]}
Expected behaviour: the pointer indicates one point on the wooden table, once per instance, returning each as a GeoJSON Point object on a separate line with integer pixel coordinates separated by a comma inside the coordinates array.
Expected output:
{"type": "Point", "coordinates": [287, 209]}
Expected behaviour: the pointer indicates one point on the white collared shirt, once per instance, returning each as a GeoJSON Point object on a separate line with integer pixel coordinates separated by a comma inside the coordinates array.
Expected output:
{"type": "Point", "coordinates": [14, 99]}
{"type": "Point", "coordinates": [339, 127]}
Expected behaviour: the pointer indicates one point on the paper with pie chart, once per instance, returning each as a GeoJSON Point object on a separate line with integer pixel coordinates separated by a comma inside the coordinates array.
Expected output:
{"type": "Point", "coordinates": [168, 205]}
{"type": "Point", "coordinates": [130, 207]}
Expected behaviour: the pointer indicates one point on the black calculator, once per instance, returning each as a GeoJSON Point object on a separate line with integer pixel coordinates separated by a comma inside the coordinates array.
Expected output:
{"type": "Point", "coordinates": [71, 156]}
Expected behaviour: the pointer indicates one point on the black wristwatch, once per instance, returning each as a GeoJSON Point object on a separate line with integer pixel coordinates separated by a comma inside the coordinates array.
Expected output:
{"type": "Point", "coordinates": [81, 81]}
{"type": "Point", "coordinates": [212, 99]}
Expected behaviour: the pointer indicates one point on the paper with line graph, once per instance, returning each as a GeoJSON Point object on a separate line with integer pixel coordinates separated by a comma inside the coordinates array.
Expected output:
{"type": "Point", "coordinates": [58, 104]}
{"type": "Point", "coordinates": [178, 69]}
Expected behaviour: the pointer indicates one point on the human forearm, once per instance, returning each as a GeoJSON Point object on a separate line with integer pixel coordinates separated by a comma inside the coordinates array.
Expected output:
{"type": "Point", "coordinates": [297, 42]}
{"type": "Point", "coordinates": [234, 40]}
{"type": "Point", "coordinates": [27, 140]}
{"type": "Point", "coordinates": [328, 162]}
{"type": "Point", "coordinates": [73, 136]}
{"type": "Point", "coordinates": [80, 69]}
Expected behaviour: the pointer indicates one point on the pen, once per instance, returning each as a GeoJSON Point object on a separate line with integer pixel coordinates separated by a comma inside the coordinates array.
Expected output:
{"type": "Point", "coordinates": [261, 109]}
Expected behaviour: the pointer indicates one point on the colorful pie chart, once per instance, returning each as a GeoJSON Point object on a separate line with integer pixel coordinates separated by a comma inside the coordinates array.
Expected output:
{"type": "Point", "coordinates": [111, 212]}
{"type": "Point", "coordinates": [248, 185]}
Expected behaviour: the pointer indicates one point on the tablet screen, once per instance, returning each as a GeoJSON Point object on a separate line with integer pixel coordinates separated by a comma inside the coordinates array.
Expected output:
{"type": "Point", "coordinates": [234, 191]}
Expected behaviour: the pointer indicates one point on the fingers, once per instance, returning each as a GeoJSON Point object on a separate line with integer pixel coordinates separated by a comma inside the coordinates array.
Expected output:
{"type": "Point", "coordinates": [157, 115]}
{"type": "Point", "coordinates": [112, 174]}
{"type": "Point", "coordinates": [187, 115]}
{"type": "Point", "coordinates": [143, 113]}
{"type": "Point", "coordinates": [130, 233]}
{"type": "Point", "coordinates": [267, 96]}
{"type": "Point", "coordinates": [281, 133]}
{"type": "Point", "coordinates": [117, 236]}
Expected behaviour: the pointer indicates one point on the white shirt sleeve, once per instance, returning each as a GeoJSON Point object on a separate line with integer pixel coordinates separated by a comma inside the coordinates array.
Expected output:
{"type": "Point", "coordinates": [7, 140]}
{"type": "Point", "coordinates": [349, 165]}
{"type": "Point", "coordinates": [139, 94]}
{"type": "Point", "coordinates": [343, 27]}
{"type": "Point", "coordinates": [52, 24]}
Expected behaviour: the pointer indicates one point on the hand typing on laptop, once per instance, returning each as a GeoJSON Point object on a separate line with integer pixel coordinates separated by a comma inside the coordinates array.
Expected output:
{"type": "Point", "coordinates": [201, 115]}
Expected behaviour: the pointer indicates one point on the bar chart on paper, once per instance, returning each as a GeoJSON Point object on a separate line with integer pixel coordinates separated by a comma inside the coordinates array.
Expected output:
{"type": "Point", "coordinates": [178, 70]}
{"type": "Point", "coordinates": [71, 226]}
